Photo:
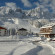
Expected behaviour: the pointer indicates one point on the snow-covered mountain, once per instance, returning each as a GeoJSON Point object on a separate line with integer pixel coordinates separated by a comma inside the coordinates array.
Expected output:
{"type": "Point", "coordinates": [23, 18]}
{"type": "Point", "coordinates": [39, 13]}
{"type": "Point", "coordinates": [10, 13]}
{"type": "Point", "coordinates": [35, 13]}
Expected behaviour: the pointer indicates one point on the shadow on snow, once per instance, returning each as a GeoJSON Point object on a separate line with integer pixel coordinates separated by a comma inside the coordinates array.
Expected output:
{"type": "Point", "coordinates": [33, 51]}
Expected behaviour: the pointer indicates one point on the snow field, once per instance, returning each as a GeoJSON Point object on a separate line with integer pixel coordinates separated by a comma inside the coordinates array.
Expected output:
{"type": "Point", "coordinates": [26, 47]}
{"type": "Point", "coordinates": [51, 45]}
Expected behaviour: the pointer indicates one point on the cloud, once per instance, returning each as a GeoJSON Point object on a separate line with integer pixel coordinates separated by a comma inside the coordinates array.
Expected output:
{"type": "Point", "coordinates": [49, 3]}
{"type": "Point", "coordinates": [11, 5]}
{"type": "Point", "coordinates": [52, 5]}
{"type": "Point", "coordinates": [44, 1]}
{"type": "Point", "coordinates": [46, 4]}
{"type": "Point", "coordinates": [43, 7]}
{"type": "Point", "coordinates": [26, 3]}
{"type": "Point", "coordinates": [53, 2]}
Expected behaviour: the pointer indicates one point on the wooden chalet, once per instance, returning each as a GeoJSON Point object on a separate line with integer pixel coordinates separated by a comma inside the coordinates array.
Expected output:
{"type": "Point", "coordinates": [48, 30]}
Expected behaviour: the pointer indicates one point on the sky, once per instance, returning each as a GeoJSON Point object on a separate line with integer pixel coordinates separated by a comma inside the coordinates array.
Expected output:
{"type": "Point", "coordinates": [24, 4]}
{"type": "Point", "coordinates": [46, 5]}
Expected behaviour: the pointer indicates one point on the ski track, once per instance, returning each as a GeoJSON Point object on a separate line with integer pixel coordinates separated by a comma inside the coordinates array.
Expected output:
{"type": "Point", "coordinates": [40, 50]}
{"type": "Point", "coordinates": [36, 49]}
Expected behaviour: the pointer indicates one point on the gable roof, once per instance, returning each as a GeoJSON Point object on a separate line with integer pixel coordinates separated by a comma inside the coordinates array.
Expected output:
{"type": "Point", "coordinates": [48, 25]}
{"type": "Point", "coordinates": [22, 29]}
{"type": "Point", "coordinates": [2, 28]}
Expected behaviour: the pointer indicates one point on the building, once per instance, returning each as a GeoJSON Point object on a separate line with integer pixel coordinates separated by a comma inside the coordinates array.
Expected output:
{"type": "Point", "coordinates": [3, 31]}
{"type": "Point", "coordinates": [22, 31]}
{"type": "Point", "coordinates": [48, 30]}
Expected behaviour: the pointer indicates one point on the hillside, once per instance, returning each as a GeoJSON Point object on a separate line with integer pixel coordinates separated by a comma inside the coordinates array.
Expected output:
{"type": "Point", "coordinates": [16, 18]}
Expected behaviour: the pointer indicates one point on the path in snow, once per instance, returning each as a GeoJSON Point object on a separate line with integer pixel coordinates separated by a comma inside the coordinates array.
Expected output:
{"type": "Point", "coordinates": [40, 50]}
{"type": "Point", "coordinates": [30, 49]}
{"type": "Point", "coordinates": [24, 48]}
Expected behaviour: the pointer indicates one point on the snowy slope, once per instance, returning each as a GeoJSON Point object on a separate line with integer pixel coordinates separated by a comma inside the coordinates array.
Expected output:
{"type": "Point", "coordinates": [12, 17]}
{"type": "Point", "coordinates": [19, 23]}
{"type": "Point", "coordinates": [24, 48]}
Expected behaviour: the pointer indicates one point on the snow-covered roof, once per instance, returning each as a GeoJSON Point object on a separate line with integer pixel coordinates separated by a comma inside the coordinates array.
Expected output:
{"type": "Point", "coordinates": [48, 25]}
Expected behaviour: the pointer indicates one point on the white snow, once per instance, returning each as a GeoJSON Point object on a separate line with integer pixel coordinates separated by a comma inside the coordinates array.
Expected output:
{"type": "Point", "coordinates": [26, 47]}
{"type": "Point", "coordinates": [9, 25]}
{"type": "Point", "coordinates": [35, 30]}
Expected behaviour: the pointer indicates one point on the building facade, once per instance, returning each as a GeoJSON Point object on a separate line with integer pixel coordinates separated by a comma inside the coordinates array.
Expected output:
{"type": "Point", "coordinates": [48, 31]}
{"type": "Point", "coordinates": [3, 31]}
{"type": "Point", "coordinates": [22, 31]}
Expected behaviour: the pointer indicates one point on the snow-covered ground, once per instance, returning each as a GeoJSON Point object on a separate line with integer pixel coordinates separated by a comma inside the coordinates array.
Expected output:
{"type": "Point", "coordinates": [26, 46]}
{"type": "Point", "coordinates": [30, 20]}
